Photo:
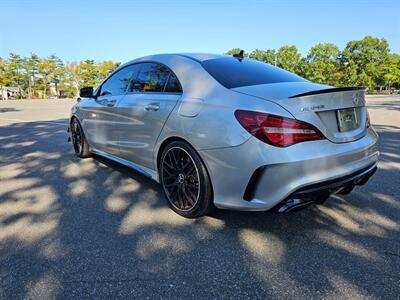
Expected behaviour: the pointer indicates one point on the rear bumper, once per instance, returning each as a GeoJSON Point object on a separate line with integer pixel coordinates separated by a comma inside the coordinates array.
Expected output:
{"type": "Point", "coordinates": [256, 176]}
{"type": "Point", "coordinates": [318, 193]}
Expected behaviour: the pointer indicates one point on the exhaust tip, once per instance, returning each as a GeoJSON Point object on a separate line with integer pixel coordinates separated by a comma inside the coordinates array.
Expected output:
{"type": "Point", "coordinates": [294, 204]}
{"type": "Point", "coordinates": [364, 180]}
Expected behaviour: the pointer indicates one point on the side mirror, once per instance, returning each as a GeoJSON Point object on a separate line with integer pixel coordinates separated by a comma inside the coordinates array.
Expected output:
{"type": "Point", "coordinates": [86, 92]}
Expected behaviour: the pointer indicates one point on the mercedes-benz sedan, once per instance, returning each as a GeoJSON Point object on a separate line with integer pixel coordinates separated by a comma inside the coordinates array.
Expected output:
{"type": "Point", "coordinates": [228, 131]}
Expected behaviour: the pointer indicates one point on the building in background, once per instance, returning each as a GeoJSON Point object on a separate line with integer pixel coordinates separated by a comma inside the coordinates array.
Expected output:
{"type": "Point", "coordinates": [8, 93]}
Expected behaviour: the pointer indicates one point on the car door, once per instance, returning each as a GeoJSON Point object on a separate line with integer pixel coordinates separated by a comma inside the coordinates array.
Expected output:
{"type": "Point", "coordinates": [150, 99]}
{"type": "Point", "coordinates": [101, 120]}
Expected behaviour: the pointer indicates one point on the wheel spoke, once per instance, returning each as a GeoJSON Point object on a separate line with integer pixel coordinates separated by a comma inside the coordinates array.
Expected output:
{"type": "Point", "coordinates": [171, 184]}
{"type": "Point", "coordinates": [180, 199]}
{"type": "Point", "coordinates": [192, 185]}
{"type": "Point", "coordinates": [174, 192]}
{"type": "Point", "coordinates": [173, 159]}
{"type": "Point", "coordinates": [169, 164]}
{"type": "Point", "coordinates": [186, 164]}
{"type": "Point", "coordinates": [169, 177]}
{"type": "Point", "coordinates": [188, 196]}
{"type": "Point", "coordinates": [168, 168]}
{"type": "Point", "coordinates": [190, 169]}
{"type": "Point", "coordinates": [192, 193]}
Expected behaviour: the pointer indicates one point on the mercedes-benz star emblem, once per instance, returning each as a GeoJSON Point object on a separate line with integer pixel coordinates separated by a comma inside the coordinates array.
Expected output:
{"type": "Point", "coordinates": [355, 100]}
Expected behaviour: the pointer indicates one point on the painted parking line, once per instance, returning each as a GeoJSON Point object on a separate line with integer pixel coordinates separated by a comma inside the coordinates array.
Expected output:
{"type": "Point", "coordinates": [35, 121]}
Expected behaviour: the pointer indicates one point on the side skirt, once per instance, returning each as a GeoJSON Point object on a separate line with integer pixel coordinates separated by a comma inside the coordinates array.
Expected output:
{"type": "Point", "coordinates": [143, 170]}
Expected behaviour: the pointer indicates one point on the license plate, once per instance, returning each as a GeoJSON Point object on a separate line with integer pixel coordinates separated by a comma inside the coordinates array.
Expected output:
{"type": "Point", "coordinates": [347, 119]}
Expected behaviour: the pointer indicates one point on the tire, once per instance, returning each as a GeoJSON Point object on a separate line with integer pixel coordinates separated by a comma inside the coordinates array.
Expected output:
{"type": "Point", "coordinates": [185, 180]}
{"type": "Point", "coordinates": [79, 142]}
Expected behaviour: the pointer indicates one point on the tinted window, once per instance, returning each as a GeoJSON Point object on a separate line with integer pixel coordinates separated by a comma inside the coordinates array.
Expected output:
{"type": "Point", "coordinates": [231, 72]}
{"type": "Point", "coordinates": [173, 85]}
{"type": "Point", "coordinates": [151, 78]}
{"type": "Point", "coordinates": [118, 83]}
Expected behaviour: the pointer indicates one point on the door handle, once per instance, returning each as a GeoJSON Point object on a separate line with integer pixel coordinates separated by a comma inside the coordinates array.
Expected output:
{"type": "Point", "coordinates": [152, 106]}
{"type": "Point", "coordinates": [111, 103]}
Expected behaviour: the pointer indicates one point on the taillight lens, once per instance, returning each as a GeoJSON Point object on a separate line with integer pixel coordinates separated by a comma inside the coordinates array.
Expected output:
{"type": "Point", "coordinates": [276, 130]}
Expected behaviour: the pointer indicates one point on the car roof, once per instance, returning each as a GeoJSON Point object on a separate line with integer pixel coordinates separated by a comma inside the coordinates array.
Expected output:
{"type": "Point", "coordinates": [198, 57]}
{"type": "Point", "coordinates": [201, 56]}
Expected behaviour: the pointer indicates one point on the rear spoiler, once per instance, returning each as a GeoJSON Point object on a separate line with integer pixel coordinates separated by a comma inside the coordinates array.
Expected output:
{"type": "Point", "coordinates": [330, 90]}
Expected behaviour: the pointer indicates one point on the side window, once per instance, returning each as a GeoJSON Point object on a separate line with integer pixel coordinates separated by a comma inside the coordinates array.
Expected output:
{"type": "Point", "coordinates": [173, 85]}
{"type": "Point", "coordinates": [118, 83]}
{"type": "Point", "coordinates": [151, 78]}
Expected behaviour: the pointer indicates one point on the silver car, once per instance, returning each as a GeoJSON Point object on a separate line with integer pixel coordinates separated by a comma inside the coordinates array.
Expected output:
{"type": "Point", "coordinates": [227, 131]}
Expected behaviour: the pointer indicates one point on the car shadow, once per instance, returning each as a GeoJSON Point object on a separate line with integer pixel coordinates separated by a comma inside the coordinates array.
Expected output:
{"type": "Point", "coordinates": [92, 228]}
{"type": "Point", "coordinates": [8, 109]}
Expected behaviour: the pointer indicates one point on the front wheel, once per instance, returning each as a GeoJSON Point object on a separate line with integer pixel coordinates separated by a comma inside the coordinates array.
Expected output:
{"type": "Point", "coordinates": [79, 141]}
{"type": "Point", "coordinates": [185, 180]}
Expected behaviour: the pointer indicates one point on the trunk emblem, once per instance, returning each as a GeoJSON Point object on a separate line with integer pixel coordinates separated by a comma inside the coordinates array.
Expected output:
{"type": "Point", "coordinates": [355, 99]}
{"type": "Point", "coordinates": [312, 108]}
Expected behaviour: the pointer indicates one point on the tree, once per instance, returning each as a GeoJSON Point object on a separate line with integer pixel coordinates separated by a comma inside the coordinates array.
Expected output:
{"type": "Point", "coordinates": [57, 72]}
{"type": "Point", "coordinates": [14, 72]}
{"type": "Point", "coordinates": [88, 73]}
{"type": "Point", "coordinates": [3, 78]}
{"type": "Point", "coordinates": [70, 79]}
{"type": "Point", "coordinates": [31, 66]}
{"type": "Point", "coordinates": [47, 70]}
{"type": "Point", "coordinates": [392, 71]}
{"type": "Point", "coordinates": [268, 56]}
{"type": "Point", "coordinates": [105, 68]}
{"type": "Point", "coordinates": [235, 51]}
{"type": "Point", "coordinates": [364, 61]}
{"type": "Point", "coordinates": [289, 58]}
{"type": "Point", "coordinates": [322, 64]}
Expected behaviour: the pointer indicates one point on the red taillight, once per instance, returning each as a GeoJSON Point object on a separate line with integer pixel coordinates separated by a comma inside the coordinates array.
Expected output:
{"type": "Point", "coordinates": [276, 130]}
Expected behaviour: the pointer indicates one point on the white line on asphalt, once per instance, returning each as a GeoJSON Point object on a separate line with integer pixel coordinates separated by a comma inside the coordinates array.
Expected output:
{"type": "Point", "coordinates": [26, 121]}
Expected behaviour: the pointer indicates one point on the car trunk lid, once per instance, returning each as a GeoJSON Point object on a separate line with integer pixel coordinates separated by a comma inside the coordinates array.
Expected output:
{"type": "Point", "coordinates": [339, 113]}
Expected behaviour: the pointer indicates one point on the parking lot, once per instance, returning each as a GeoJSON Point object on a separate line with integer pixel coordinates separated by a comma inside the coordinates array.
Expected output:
{"type": "Point", "coordinates": [91, 228]}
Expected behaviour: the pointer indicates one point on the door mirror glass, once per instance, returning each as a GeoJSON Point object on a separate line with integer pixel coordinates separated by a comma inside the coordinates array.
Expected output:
{"type": "Point", "coordinates": [86, 92]}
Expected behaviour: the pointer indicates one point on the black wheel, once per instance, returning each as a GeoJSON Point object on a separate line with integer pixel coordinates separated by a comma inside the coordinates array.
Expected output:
{"type": "Point", "coordinates": [78, 139]}
{"type": "Point", "coordinates": [185, 180]}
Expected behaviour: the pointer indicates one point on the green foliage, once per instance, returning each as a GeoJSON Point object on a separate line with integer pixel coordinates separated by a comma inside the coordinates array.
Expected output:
{"type": "Point", "coordinates": [106, 67]}
{"type": "Point", "coordinates": [88, 74]}
{"type": "Point", "coordinates": [392, 71]}
{"type": "Point", "coordinates": [268, 56]}
{"type": "Point", "coordinates": [289, 58]}
{"type": "Point", "coordinates": [50, 71]}
{"type": "Point", "coordinates": [367, 62]}
{"type": "Point", "coordinates": [322, 64]}
{"type": "Point", "coordinates": [234, 51]}
{"type": "Point", "coordinates": [31, 66]}
{"type": "Point", "coordinates": [39, 76]}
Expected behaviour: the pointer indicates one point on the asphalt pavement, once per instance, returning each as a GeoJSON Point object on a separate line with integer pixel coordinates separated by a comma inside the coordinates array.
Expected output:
{"type": "Point", "coordinates": [91, 228]}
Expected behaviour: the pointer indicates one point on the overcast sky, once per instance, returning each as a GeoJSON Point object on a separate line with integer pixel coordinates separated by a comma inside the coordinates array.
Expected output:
{"type": "Point", "coordinates": [122, 30]}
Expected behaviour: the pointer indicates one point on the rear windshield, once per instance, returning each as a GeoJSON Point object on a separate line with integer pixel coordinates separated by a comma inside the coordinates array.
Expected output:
{"type": "Point", "coordinates": [232, 73]}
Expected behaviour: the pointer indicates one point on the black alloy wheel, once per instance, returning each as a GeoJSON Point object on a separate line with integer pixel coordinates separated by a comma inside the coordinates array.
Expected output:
{"type": "Point", "coordinates": [79, 142]}
{"type": "Point", "coordinates": [185, 180]}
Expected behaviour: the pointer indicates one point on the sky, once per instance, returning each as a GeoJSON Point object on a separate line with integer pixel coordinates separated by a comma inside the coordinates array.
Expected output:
{"type": "Point", "coordinates": [122, 30]}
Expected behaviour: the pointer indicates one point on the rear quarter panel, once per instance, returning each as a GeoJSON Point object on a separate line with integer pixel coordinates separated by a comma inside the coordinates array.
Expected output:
{"type": "Point", "coordinates": [209, 122]}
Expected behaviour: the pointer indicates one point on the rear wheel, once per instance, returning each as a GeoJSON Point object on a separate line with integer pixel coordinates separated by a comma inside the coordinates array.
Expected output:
{"type": "Point", "coordinates": [185, 180]}
{"type": "Point", "coordinates": [79, 141]}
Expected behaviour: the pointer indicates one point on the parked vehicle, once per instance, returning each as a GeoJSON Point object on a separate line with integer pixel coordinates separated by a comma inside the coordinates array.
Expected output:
{"type": "Point", "coordinates": [229, 132]}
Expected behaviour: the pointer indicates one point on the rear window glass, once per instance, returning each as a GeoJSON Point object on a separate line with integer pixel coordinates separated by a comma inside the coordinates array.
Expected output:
{"type": "Point", "coordinates": [152, 78]}
{"type": "Point", "coordinates": [232, 73]}
{"type": "Point", "coordinates": [173, 85]}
